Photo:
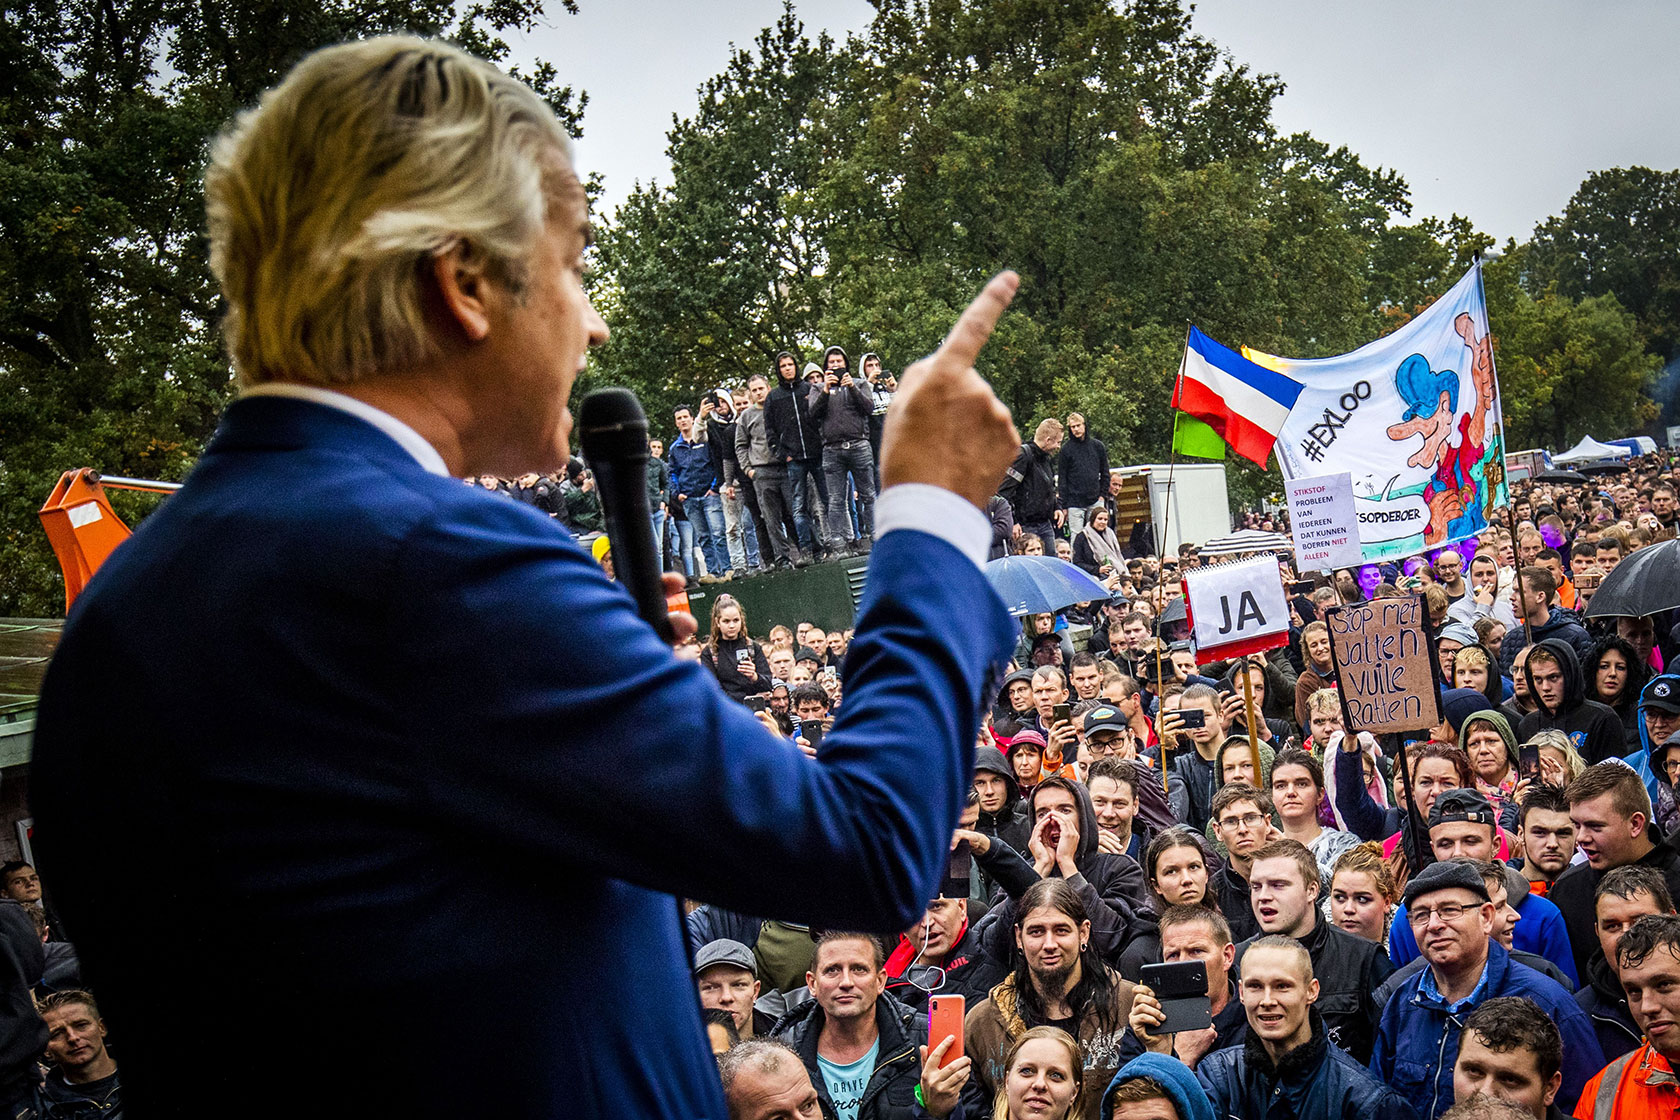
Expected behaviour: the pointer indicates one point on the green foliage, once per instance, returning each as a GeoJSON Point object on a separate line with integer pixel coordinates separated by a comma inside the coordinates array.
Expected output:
{"type": "Point", "coordinates": [1567, 368]}
{"type": "Point", "coordinates": [1619, 235]}
{"type": "Point", "coordinates": [109, 355]}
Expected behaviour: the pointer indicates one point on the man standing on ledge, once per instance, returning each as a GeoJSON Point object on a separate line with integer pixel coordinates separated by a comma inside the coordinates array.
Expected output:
{"type": "Point", "coordinates": [369, 702]}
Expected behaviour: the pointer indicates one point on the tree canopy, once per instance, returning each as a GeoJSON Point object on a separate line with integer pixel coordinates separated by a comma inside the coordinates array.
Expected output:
{"type": "Point", "coordinates": [821, 192]}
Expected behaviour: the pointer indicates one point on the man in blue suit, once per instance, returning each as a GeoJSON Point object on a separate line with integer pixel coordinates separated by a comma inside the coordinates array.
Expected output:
{"type": "Point", "coordinates": [365, 792]}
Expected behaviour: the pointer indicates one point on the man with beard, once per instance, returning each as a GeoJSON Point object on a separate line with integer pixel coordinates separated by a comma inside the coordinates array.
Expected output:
{"type": "Point", "coordinates": [1058, 980]}
{"type": "Point", "coordinates": [1064, 844]}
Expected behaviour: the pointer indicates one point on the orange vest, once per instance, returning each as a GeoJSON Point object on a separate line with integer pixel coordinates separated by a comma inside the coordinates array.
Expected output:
{"type": "Point", "coordinates": [1633, 1087]}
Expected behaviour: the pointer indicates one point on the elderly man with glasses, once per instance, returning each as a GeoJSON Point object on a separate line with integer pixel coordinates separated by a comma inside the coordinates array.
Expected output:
{"type": "Point", "coordinates": [1451, 915]}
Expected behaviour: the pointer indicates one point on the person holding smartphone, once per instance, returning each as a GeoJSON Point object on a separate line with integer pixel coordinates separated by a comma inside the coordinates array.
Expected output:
{"type": "Point", "coordinates": [731, 654]}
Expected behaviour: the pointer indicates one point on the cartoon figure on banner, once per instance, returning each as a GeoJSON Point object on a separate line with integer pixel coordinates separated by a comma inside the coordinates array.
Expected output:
{"type": "Point", "coordinates": [1454, 498]}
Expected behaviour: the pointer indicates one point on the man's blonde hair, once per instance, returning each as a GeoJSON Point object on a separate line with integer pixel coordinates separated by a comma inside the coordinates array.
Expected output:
{"type": "Point", "coordinates": [327, 200]}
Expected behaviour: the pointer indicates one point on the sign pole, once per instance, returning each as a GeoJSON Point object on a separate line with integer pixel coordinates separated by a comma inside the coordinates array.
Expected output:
{"type": "Point", "coordinates": [1253, 732]}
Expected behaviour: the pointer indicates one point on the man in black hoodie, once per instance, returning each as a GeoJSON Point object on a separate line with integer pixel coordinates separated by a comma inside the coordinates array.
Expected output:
{"type": "Point", "coordinates": [1553, 673]}
{"type": "Point", "coordinates": [1003, 812]}
{"type": "Point", "coordinates": [797, 440]}
{"type": "Point", "coordinates": [842, 408]}
{"type": "Point", "coordinates": [1029, 486]}
{"type": "Point", "coordinates": [1063, 844]}
{"type": "Point", "coordinates": [1081, 472]}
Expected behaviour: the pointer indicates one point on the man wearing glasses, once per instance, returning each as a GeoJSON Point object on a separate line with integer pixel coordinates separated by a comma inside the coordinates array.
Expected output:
{"type": "Point", "coordinates": [1452, 917]}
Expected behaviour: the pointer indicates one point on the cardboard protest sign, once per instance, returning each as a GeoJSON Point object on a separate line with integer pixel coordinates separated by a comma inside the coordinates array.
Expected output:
{"type": "Point", "coordinates": [1324, 522]}
{"type": "Point", "coordinates": [1385, 665]}
{"type": "Point", "coordinates": [1236, 609]}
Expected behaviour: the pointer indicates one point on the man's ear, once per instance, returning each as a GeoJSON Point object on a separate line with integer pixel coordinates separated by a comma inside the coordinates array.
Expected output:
{"type": "Point", "coordinates": [463, 289]}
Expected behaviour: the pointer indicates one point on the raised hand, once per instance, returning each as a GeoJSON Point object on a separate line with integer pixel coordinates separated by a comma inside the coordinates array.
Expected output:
{"type": "Point", "coordinates": [946, 427]}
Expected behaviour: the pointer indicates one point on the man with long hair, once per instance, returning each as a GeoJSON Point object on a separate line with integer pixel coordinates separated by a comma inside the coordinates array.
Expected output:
{"type": "Point", "coordinates": [1058, 980]}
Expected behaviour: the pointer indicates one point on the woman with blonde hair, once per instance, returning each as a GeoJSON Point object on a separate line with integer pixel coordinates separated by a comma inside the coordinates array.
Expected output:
{"type": "Point", "coordinates": [1560, 762]}
{"type": "Point", "coordinates": [1363, 893]}
{"type": "Point", "coordinates": [1044, 1073]}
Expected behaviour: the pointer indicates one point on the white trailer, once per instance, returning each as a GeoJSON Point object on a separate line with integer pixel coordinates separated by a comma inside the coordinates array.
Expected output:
{"type": "Point", "coordinates": [1186, 502]}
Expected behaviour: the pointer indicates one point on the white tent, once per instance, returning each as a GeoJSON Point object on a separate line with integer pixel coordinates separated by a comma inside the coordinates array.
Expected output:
{"type": "Point", "coordinates": [1588, 450]}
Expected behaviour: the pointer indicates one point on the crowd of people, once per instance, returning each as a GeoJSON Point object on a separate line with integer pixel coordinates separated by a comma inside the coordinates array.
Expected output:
{"type": "Point", "coordinates": [1505, 946]}
{"type": "Point", "coordinates": [1508, 946]}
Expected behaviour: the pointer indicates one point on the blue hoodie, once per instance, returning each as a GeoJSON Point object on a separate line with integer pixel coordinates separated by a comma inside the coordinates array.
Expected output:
{"type": "Point", "coordinates": [1662, 684]}
{"type": "Point", "coordinates": [1175, 1077]}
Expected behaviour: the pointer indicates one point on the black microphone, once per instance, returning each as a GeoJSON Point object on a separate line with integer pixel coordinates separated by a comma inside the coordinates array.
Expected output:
{"type": "Point", "coordinates": [613, 434]}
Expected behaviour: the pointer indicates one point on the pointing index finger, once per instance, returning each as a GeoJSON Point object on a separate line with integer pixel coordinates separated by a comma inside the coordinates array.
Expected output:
{"type": "Point", "coordinates": [977, 322]}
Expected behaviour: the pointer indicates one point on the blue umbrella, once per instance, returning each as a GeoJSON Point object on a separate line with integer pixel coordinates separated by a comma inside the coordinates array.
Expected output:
{"type": "Point", "coordinates": [1037, 584]}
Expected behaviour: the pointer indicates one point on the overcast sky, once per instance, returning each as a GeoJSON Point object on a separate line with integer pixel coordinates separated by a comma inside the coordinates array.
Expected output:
{"type": "Point", "coordinates": [1496, 109]}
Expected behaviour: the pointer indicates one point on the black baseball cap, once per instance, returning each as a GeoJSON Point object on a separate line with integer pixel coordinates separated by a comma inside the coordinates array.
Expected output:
{"type": "Point", "coordinates": [1462, 805]}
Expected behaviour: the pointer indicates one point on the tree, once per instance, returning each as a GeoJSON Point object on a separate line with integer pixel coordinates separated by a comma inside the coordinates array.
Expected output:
{"type": "Point", "coordinates": [1567, 368]}
{"type": "Point", "coordinates": [1619, 236]}
{"type": "Point", "coordinates": [1124, 165]}
{"type": "Point", "coordinates": [706, 279]}
{"type": "Point", "coordinates": [109, 352]}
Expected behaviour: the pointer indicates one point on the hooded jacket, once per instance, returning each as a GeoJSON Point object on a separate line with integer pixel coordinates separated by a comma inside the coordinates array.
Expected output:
{"type": "Point", "coordinates": [1662, 794]}
{"type": "Point", "coordinates": [1009, 823]}
{"type": "Point", "coordinates": [1595, 730]}
{"type": "Point", "coordinates": [1561, 624]}
{"type": "Point", "coordinates": [891, 1089]}
{"type": "Point", "coordinates": [794, 433]}
{"type": "Point", "coordinates": [1189, 1099]}
{"type": "Point", "coordinates": [842, 413]}
{"type": "Point", "coordinates": [1602, 998]}
{"type": "Point", "coordinates": [1001, 709]}
{"type": "Point", "coordinates": [1349, 970]}
{"type": "Point", "coordinates": [1029, 486]}
{"type": "Point", "coordinates": [692, 470]}
{"type": "Point", "coordinates": [1081, 471]}
{"type": "Point", "coordinates": [1417, 1038]}
{"type": "Point", "coordinates": [1314, 1081]}
{"type": "Point", "coordinates": [994, 1025]}
{"type": "Point", "coordinates": [1625, 706]}
{"type": "Point", "coordinates": [1112, 887]}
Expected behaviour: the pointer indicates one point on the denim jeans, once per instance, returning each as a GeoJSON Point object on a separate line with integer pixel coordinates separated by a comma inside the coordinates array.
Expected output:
{"type": "Point", "coordinates": [741, 531]}
{"type": "Point", "coordinates": [798, 470]}
{"type": "Point", "coordinates": [1044, 531]}
{"type": "Point", "coordinates": [659, 536]}
{"type": "Point", "coordinates": [685, 544]}
{"type": "Point", "coordinates": [839, 459]}
{"type": "Point", "coordinates": [771, 484]}
{"type": "Point", "coordinates": [711, 532]}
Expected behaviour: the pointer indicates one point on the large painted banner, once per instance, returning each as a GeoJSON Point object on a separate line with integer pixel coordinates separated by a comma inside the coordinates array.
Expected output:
{"type": "Point", "coordinates": [1414, 418]}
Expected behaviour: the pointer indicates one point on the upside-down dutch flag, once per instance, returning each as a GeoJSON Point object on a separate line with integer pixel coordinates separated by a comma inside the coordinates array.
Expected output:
{"type": "Point", "coordinates": [1242, 401]}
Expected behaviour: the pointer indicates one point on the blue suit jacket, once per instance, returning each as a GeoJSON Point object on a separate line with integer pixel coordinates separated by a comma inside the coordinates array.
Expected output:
{"type": "Point", "coordinates": [366, 792]}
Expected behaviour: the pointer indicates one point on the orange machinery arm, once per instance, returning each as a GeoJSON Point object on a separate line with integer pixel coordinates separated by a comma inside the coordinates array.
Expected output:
{"type": "Point", "coordinates": [82, 526]}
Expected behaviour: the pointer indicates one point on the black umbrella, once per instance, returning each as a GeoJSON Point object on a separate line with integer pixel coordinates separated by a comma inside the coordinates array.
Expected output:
{"type": "Point", "coordinates": [1604, 466]}
{"type": "Point", "coordinates": [1646, 582]}
{"type": "Point", "coordinates": [1558, 474]}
